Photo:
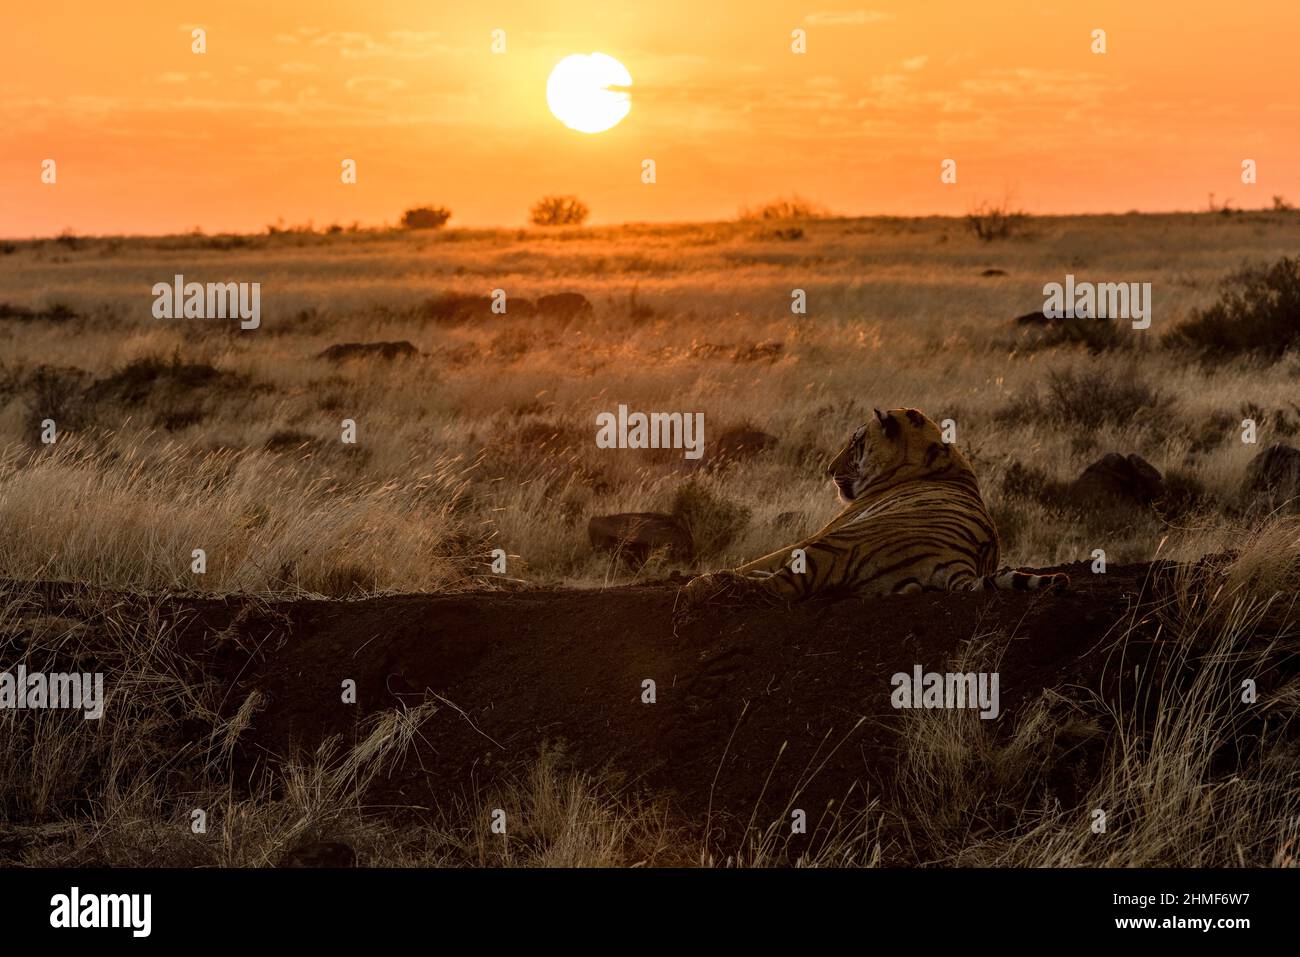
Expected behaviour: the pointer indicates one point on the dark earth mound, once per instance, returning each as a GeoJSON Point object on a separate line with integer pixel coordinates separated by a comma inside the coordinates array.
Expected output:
{"type": "Point", "coordinates": [749, 702]}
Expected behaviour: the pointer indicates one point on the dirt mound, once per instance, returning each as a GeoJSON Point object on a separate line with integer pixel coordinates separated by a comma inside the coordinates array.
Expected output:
{"type": "Point", "coordinates": [341, 351]}
{"type": "Point", "coordinates": [154, 378]}
{"type": "Point", "coordinates": [754, 710]}
{"type": "Point", "coordinates": [564, 305]}
{"type": "Point", "coordinates": [1116, 479]}
{"type": "Point", "coordinates": [58, 312]}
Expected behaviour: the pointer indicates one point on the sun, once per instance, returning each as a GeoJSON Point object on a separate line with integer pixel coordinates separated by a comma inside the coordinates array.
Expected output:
{"type": "Point", "coordinates": [579, 92]}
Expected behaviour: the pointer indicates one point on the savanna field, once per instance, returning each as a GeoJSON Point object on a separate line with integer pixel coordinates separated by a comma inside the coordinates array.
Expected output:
{"type": "Point", "coordinates": [520, 691]}
{"type": "Point", "coordinates": [176, 434]}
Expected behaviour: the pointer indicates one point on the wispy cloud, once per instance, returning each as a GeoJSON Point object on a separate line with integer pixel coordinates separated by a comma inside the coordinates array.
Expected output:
{"type": "Point", "coordinates": [359, 45]}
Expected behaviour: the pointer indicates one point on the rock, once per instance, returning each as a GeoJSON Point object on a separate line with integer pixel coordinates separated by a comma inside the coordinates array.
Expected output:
{"type": "Point", "coordinates": [454, 309]}
{"type": "Point", "coordinates": [321, 854]}
{"type": "Point", "coordinates": [564, 305]}
{"type": "Point", "coordinates": [741, 442]}
{"type": "Point", "coordinates": [1117, 479]}
{"type": "Point", "coordinates": [517, 307]}
{"type": "Point", "coordinates": [636, 534]}
{"type": "Point", "coordinates": [366, 350]}
{"type": "Point", "coordinates": [1274, 473]}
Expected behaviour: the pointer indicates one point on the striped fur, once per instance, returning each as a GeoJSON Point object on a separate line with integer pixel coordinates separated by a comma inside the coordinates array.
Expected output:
{"type": "Point", "coordinates": [914, 520]}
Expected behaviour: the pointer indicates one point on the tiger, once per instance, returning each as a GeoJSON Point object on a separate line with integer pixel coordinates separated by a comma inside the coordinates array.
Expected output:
{"type": "Point", "coordinates": [913, 521]}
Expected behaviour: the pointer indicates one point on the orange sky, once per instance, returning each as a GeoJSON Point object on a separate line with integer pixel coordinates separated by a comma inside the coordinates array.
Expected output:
{"type": "Point", "coordinates": [150, 137]}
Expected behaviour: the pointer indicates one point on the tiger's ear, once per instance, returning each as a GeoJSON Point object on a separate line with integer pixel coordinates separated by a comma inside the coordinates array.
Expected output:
{"type": "Point", "coordinates": [891, 426]}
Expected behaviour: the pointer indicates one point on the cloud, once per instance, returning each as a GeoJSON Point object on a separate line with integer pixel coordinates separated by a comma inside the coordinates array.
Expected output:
{"type": "Point", "coordinates": [267, 85]}
{"type": "Point", "coordinates": [1022, 84]}
{"type": "Point", "coordinates": [915, 62]}
{"type": "Point", "coordinates": [396, 44]}
{"type": "Point", "coordinates": [171, 78]}
{"type": "Point", "coordinates": [297, 66]}
{"type": "Point", "coordinates": [847, 18]}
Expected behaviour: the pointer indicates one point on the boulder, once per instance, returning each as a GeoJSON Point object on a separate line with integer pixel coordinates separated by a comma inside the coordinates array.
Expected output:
{"type": "Point", "coordinates": [563, 305]}
{"type": "Point", "coordinates": [1116, 479]}
{"type": "Point", "coordinates": [636, 534]}
{"type": "Point", "coordinates": [455, 309]}
{"type": "Point", "coordinates": [1274, 473]}
{"type": "Point", "coordinates": [368, 350]}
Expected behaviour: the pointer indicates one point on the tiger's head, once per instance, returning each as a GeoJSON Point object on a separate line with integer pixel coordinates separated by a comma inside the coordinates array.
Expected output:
{"type": "Point", "coordinates": [901, 443]}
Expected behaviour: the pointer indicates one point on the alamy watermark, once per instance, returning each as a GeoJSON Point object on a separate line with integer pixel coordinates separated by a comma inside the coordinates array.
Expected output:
{"type": "Point", "coordinates": [651, 430]}
{"type": "Point", "coordinates": [179, 299]}
{"type": "Point", "coordinates": [934, 689]}
{"type": "Point", "coordinates": [21, 690]}
{"type": "Point", "coordinates": [1105, 300]}
{"type": "Point", "coordinates": [75, 909]}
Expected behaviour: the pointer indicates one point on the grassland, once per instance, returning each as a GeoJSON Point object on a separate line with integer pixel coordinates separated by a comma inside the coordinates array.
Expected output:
{"type": "Point", "coordinates": [188, 433]}
{"type": "Point", "coordinates": [182, 434]}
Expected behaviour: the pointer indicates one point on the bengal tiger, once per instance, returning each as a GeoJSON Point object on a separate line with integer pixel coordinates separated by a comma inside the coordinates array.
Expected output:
{"type": "Point", "coordinates": [913, 521]}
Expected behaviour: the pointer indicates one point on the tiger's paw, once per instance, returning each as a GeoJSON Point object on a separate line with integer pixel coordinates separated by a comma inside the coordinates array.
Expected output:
{"type": "Point", "coordinates": [706, 588]}
{"type": "Point", "coordinates": [711, 588]}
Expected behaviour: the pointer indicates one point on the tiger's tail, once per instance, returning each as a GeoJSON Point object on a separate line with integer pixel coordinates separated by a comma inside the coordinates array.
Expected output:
{"type": "Point", "coordinates": [1015, 579]}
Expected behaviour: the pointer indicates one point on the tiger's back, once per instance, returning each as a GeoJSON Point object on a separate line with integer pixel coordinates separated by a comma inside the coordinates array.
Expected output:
{"type": "Point", "coordinates": [917, 535]}
{"type": "Point", "coordinates": [914, 521]}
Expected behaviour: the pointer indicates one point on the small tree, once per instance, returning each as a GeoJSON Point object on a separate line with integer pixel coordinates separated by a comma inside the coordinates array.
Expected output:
{"type": "Point", "coordinates": [559, 211]}
{"type": "Point", "coordinates": [426, 217]}
{"type": "Point", "coordinates": [995, 221]}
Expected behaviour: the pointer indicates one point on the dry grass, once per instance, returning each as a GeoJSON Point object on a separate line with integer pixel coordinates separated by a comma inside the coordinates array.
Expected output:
{"type": "Point", "coordinates": [185, 434]}
{"type": "Point", "coordinates": [1187, 773]}
{"type": "Point", "coordinates": [486, 438]}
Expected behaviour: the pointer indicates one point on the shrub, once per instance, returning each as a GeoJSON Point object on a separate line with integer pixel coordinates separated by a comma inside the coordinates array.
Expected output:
{"type": "Point", "coordinates": [426, 217]}
{"type": "Point", "coordinates": [1258, 312]}
{"type": "Point", "coordinates": [991, 222]}
{"type": "Point", "coordinates": [794, 207]}
{"type": "Point", "coordinates": [559, 211]}
{"type": "Point", "coordinates": [1095, 335]}
{"type": "Point", "coordinates": [1028, 482]}
{"type": "Point", "coordinates": [1184, 494]}
{"type": "Point", "coordinates": [1088, 399]}
{"type": "Point", "coordinates": [55, 392]}
{"type": "Point", "coordinates": [713, 521]}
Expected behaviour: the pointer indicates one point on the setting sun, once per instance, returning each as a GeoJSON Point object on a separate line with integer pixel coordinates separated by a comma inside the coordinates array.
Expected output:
{"type": "Point", "coordinates": [584, 92]}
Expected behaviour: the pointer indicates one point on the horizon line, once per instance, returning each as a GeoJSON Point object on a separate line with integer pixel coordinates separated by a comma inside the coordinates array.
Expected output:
{"type": "Point", "coordinates": [310, 228]}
